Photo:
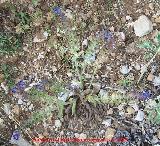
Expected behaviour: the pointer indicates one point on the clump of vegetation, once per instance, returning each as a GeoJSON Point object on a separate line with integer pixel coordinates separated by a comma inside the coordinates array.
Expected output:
{"type": "Point", "coordinates": [6, 70]}
{"type": "Point", "coordinates": [152, 48]}
{"type": "Point", "coordinates": [49, 103]}
{"type": "Point", "coordinates": [23, 22]}
{"type": "Point", "coordinates": [9, 43]}
{"type": "Point", "coordinates": [154, 113]}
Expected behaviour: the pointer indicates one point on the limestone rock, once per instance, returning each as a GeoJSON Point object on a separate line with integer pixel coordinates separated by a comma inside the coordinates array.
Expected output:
{"type": "Point", "coordinates": [142, 26]}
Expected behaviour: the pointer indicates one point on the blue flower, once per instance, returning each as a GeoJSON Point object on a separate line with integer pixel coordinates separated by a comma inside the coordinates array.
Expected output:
{"type": "Point", "coordinates": [14, 90]}
{"type": "Point", "coordinates": [145, 94]}
{"type": "Point", "coordinates": [108, 35]}
{"type": "Point", "coordinates": [16, 135]}
{"type": "Point", "coordinates": [57, 10]}
{"type": "Point", "coordinates": [40, 87]}
{"type": "Point", "coordinates": [21, 84]}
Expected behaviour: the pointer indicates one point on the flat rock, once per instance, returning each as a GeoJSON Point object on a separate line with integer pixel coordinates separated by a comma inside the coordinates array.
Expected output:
{"type": "Point", "coordinates": [142, 26]}
{"type": "Point", "coordinates": [109, 133]}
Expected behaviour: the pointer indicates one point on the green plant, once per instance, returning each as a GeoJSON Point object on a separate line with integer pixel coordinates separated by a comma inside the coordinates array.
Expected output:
{"type": "Point", "coordinates": [6, 69]}
{"type": "Point", "coordinates": [9, 43]}
{"type": "Point", "coordinates": [154, 114]}
{"type": "Point", "coordinates": [125, 82]}
{"type": "Point", "coordinates": [50, 102]}
{"type": "Point", "coordinates": [35, 2]}
{"type": "Point", "coordinates": [114, 99]}
{"type": "Point", "coordinates": [154, 47]}
{"type": "Point", "coordinates": [23, 22]}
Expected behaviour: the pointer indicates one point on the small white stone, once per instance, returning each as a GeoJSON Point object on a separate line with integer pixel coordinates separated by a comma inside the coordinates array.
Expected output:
{"type": "Point", "coordinates": [4, 87]}
{"type": "Point", "coordinates": [156, 81]}
{"type": "Point", "coordinates": [30, 107]}
{"type": "Point", "coordinates": [69, 14]}
{"type": "Point", "coordinates": [122, 36]}
{"type": "Point", "coordinates": [124, 69]}
{"type": "Point", "coordinates": [103, 93]}
{"type": "Point", "coordinates": [85, 42]}
{"type": "Point", "coordinates": [58, 123]}
{"type": "Point", "coordinates": [6, 108]}
{"type": "Point", "coordinates": [137, 66]}
{"type": "Point", "coordinates": [107, 122]}
{"type": "Point", "coordinates": [142, 26]}
{"type": "Point", "coordinates": [63, 96]}
{"type": "Point", "coordinates": [82, 136]}
{"type": "Point", "coordinates": [76, 135]}
{"type": "Point", "coordinates": [2, 123]}
{"type": "Point", "coordinates": [128, 17]}
{"type": "Point", "coordinates": [45, 34]}
{"type": "Point", "coordinates": [139, 116]}
{"type": "Point", "coordinates": [20, 101]}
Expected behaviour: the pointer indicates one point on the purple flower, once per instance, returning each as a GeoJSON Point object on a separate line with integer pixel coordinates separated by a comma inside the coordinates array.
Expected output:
{"type": "Point", "coordinates": [57, 10]}
{"type": "Point", "coordinates": [145, 94]}
{"type": "Point", "coordinates": [40, 87]}
{"type": "Point", "coordinates": [16, 135]}
{"type": "Point", "coordinates": [21, 84]}
{"type": "Point", "coordinates": [14, 90]}
{"type": "Point", "coordinates": [108, 35]}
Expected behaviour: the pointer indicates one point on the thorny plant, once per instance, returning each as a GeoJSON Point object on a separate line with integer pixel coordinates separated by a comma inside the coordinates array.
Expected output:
{"type": "Point", "coordinates": [78, 57]}
{"type": "Point", "coordinates": [50, 103]}
{"type": "Point", "coordinates": [155, 48]}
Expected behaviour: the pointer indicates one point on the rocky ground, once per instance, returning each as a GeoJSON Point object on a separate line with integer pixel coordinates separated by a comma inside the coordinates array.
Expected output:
{"type": "Point", "coordinates": [80, 69]}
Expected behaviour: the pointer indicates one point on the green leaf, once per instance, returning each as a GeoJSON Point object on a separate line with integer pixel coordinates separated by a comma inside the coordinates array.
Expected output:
{"type": "Point", "coordinates": [146, 44]}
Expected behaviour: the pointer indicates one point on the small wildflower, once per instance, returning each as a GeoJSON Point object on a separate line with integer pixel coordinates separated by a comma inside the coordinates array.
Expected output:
{"type": "Point", "coordinates": [145, 94]}
{"type": "Point", "coordinates": [40, 87]}
{"type": "Point", "coordinates": [108, 35]}
{"type": "Point", "coordinates": [16, 135]}
{"type": "Point", "coordinates": [21, 84]}
{"type": "Point", "coordinates": [14, 90]}
{"type": "Point", "coordinates": [57, 10]}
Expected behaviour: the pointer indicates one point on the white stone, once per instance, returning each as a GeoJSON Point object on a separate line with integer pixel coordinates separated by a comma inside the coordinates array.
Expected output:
{"type": "Point", "coordinates": [85, 42]}
{"type": "Point", "coordinates": [58, 123]}
{"type": "Point", "coordinates": [30, 107]}
{"type": "Point", "coordinates": [125, 69]}
{"type": "Point", "coordinates": [139, 116]}
{"type": "Point", "coordinates": [45, 34]}
{"type": "Point", "coordinates": [6, 108]}
{"type": "Point", "coordinates": [76, 135]}
{"type": "Point", "coordinates": [156, 81]}
{"type": "Point", "coordinates": [2, 123]}
{"type": "Point", "coordinates": [107, 122]}
{"type": "Point", "coordinates": [142, 26]}
{"type": "Point", "coordinates": [20, 101]}
{"type": "Point", "coordinates": [82, 136]}
{"type": "Point", "coordinates": [63, 96]}
{"type": "Point", "coordinates": [69, 14]}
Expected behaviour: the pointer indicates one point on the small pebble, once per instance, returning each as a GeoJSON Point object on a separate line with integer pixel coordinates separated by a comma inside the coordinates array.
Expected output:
{"type": "Point", "coordinates": [109, 134]}
{"type": "Point", "coordinates": [20, 101]}
{"type": "Point", "coordinates": [58, 123]}
{"type": "Point", "coordinates": [150, 77]}
{"type": "Point", "coordinates": [140, 116]}
{"type": "Point", "coordinates": [125, 69]}
{"type": "Point", "coordinates": [82, 136]}
{"type": "Point", "coordinates": [107, 122]}
{"type": "Point", "coordinates": [76, 135]}
{"type": "Point", "coordinates": [130, 110]}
